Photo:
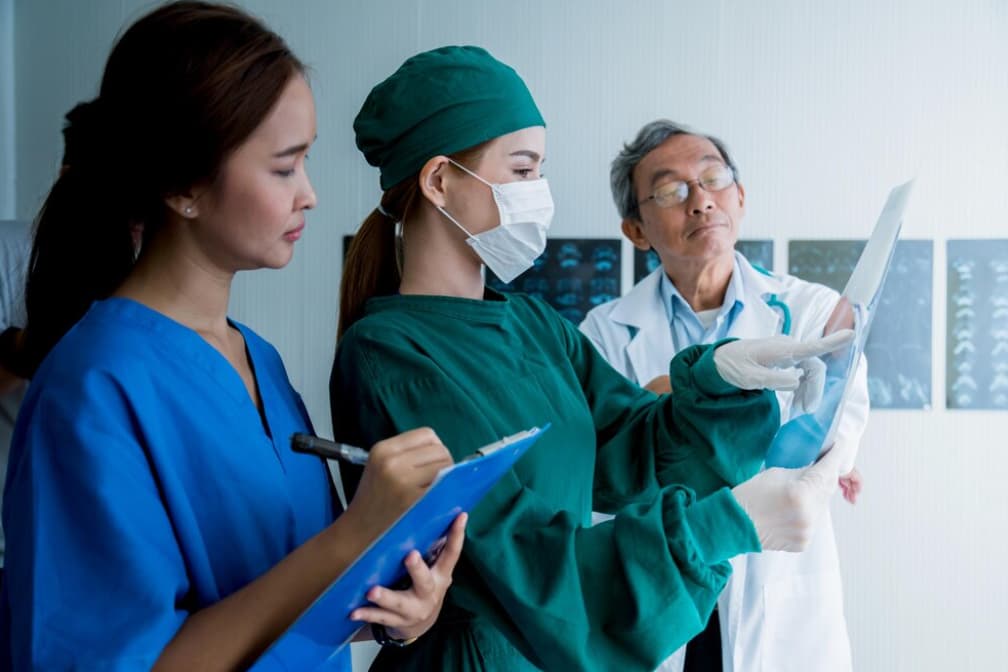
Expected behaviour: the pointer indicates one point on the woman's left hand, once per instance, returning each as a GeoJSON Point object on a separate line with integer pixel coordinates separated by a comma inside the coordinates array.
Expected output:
{"type": "Point", "coordinates": [409, 613]}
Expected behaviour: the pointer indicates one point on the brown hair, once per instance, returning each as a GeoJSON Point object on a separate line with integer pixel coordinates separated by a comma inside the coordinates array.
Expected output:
{"type": "Point", "coordinates": [183, 87]}
{"type": "Point", "coordinates": [370, 267]}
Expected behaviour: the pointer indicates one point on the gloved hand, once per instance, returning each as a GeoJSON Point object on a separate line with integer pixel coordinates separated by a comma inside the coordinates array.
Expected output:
{"type": "Point", "coordinates": [785, 504]}
{"type": "Point", "coordinates": [780, 363]}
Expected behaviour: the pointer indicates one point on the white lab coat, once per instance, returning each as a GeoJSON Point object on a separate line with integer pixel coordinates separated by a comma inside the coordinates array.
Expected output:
{"type": "Point", "coordinates": [779, 611]}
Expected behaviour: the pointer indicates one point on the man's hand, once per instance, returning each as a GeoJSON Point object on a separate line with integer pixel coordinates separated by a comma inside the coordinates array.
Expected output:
{"type": "Point", "coordinates": [660, 385]}
{"type": "Point", "coordinates": [851, 484]}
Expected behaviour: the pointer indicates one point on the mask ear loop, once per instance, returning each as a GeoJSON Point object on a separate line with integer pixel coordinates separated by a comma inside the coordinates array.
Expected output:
{"type": "Point", "coordinates": [471, 173]}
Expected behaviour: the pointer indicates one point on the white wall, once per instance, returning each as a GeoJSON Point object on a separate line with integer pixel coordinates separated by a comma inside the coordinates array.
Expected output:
{"type": "Point", "coordinates": [825, 104]}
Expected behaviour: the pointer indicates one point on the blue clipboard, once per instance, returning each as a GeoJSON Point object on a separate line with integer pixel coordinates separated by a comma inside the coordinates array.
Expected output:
{"type": "Point", "coordinates": [313, 641]}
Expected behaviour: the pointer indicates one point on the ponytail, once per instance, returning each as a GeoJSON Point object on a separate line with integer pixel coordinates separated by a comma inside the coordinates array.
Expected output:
{"type": "Point", "coordinates": [371, 267]}
{"type": "Point", "coordinates": [82, 249]}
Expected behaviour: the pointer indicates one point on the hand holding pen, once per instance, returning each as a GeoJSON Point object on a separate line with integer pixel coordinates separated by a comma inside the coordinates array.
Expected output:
{"type": "Point", "coordinates": [397, 472]}
{"type": "Point", "coordinates": [405, 465]}
{"type": "Point", "coordinates": [330, 450]}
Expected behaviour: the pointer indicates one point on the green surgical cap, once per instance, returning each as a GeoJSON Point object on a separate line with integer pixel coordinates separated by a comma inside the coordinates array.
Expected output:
{"type": "Point", "coordinates": [440, 102]}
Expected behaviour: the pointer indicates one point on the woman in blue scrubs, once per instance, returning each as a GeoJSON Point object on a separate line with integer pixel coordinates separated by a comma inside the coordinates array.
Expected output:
{"type": "Point", "coordinates": [156, 516]}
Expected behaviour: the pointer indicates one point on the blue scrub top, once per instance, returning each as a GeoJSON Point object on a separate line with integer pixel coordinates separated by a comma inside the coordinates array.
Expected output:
{"type": "Point", "coordinates": [143, 486]}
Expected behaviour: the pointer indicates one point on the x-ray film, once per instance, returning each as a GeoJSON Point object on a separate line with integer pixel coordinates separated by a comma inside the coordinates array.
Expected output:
{"type": "Point", "coordinates": [803, 438]}
{"type": "Point", "coordinates": [899, 346]}
{"type": "Point", "coordinates": [977, 343]}
{"type": "Point", "coordinates": [573, 275]}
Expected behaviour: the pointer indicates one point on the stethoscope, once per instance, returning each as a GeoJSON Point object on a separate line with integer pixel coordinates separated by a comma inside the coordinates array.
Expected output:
{"type": "Point", "coordinates": [774, 302]}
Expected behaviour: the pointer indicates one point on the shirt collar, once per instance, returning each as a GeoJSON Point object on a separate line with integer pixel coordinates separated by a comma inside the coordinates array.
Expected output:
{"type": "Point", "coordinates": [677, 307]}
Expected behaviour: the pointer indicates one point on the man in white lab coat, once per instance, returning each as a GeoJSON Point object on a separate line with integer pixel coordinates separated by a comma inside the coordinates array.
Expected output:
{"type": "Point", "coordinates": [678, 193]}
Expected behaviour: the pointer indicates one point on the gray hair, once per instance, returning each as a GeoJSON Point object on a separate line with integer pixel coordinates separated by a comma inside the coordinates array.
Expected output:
{"type": "Point", "coordinates": [648, 138]}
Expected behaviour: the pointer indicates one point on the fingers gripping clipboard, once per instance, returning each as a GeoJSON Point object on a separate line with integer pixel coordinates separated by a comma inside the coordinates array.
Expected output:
{"type": "Point", "coordinates": [313, 641]}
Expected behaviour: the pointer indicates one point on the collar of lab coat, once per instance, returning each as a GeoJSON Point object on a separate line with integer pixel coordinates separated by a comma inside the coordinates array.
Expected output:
{"type": "Point", "coordinates": [642, 310]}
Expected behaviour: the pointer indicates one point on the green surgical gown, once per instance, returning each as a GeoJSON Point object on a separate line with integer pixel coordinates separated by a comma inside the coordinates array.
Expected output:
{"type": "Point", "coordinates": [537, 586]}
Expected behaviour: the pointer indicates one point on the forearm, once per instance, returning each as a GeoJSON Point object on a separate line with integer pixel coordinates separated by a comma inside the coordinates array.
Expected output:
{"type": "Point", "coordinates": [706, 434]}
{"type": "Point", "coordinates": [232, 633]}
{"type": "Point", "coordinates": [718, 434]}
{"type": "Point", "coordinates": [619, 595]}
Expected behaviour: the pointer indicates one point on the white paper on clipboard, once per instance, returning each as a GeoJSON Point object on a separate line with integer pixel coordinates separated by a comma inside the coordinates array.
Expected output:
{"type": "Point", "coordinates": [802, 439]}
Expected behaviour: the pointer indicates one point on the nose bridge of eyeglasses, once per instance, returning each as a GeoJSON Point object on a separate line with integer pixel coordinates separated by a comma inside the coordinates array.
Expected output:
{"type": "Point", "coordinates": [712, 183]}
{"type": "Point", "coordinates": [692, 188]}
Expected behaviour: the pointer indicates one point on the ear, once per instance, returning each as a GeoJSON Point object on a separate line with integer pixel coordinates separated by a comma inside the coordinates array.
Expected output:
{"type": "Point", "coordinates": [432, 180]}
{"type": "Point", "coordinates": [184, 205]}
{"type": "Point", "coordinates": [633, 229]}
{"type": "Point", "coordinates": [741, 196]}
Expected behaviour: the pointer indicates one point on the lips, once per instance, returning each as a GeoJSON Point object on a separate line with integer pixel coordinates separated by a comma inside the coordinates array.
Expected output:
{"type": "Point", "coordinates": [294, 234]}
{"type": "Point", "coordinates": [706, 226]}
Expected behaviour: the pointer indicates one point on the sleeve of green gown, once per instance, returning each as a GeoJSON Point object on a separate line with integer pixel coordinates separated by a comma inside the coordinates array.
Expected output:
{"type": "Point", "coordinates": [705, 435]}
{"type": "Point", "coordinates": [620, 595]}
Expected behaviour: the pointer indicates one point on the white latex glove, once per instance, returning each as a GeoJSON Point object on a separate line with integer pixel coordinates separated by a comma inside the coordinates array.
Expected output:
{"type": "Point", "coordinates": [785, 504]}
{"type": "Point", "coordinates": [780, 363]}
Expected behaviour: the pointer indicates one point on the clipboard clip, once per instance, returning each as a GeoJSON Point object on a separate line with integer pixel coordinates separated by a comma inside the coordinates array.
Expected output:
{"type": "Point", "coordinates": [504, 443]}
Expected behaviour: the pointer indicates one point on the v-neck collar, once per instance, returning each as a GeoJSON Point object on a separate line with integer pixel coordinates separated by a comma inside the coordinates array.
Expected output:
{"type": "Point", "coordinates": [197, 351]}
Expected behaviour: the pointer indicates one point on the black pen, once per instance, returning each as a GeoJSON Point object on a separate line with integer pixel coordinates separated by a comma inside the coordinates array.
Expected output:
{"type": "Point", "coordinates": [306, 443]}
{"type": "Point", "coordinates": [313, 445]}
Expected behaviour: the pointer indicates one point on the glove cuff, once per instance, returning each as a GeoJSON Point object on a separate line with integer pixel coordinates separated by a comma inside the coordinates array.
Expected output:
{"type": "Point", "coordinates": [721, 529]}
{"type": "Point", "coordinates": [705, 373]}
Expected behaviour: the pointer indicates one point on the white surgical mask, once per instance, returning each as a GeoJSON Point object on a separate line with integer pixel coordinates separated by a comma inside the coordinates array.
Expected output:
{"type": "Point", "coordinates": [526, 210]}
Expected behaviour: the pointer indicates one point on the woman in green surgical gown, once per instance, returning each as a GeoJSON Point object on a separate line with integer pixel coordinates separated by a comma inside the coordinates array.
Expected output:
{"type": "Point", "coordinates": [460, 144]}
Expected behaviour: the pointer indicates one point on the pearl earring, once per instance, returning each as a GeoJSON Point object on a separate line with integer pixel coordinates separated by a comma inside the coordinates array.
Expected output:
{"type": "Point", "coordinates": [188, 210]}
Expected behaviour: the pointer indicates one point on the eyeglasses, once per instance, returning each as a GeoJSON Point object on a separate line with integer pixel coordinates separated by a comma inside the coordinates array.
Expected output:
{"type": "Point", "coordinates": [715, 178]}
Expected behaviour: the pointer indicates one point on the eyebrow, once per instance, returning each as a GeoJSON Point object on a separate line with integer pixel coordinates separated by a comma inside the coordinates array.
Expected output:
{"type": "Point", "coordinates": [528, 153]}
{"type": "Point", "coordinates": [666, 172]}
{"type": "Point", "coordinates": [291, 151]}
{"type": "Point", "coordinates": [294, 149]}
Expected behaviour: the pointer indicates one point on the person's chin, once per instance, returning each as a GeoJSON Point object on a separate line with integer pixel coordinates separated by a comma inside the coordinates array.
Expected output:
{"type": "Point", "coordinates": [278, 260]}
{"type": "Point", "coordinates": [712, 242]}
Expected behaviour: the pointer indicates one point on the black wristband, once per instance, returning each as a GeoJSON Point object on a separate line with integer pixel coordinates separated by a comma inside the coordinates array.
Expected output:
{"type": "Point", "coordinates": [382, 637]}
